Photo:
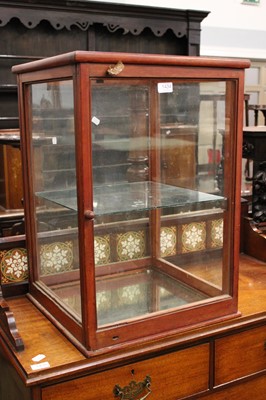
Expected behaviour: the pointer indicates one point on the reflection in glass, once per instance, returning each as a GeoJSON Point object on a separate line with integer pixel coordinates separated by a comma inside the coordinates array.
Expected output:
{"type": "Point", "coordinates": [158, 196]}
{"type": "Point", "coordinates": [54, 171]}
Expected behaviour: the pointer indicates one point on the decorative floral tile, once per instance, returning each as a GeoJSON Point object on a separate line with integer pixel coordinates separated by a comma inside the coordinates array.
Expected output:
{"type": "Point", "coordinates": [130, 245]}
{"type": "Point", "coordinates": [102, 250]}
{"type": "Point", "coordinates": [115, 304]}
{"type": "Point", "coordinates": [73, 302]}
{"type": "Point", "coordinates": [118, 297]}
{"type": "Point", "coordinates": [217, 233]}
{"type": "Point", "coordinates": [14, 265]}
{"type": "Point", "coordinates": [129, 294]}
{"type": "Point", "coordinates": [103, 300]}
{"type": "Point", "coordinates": [193, 237]}
{"type": "Point", "coordinates": [56, 257]}
{"type": "Point", "coordinates": [168, 241]}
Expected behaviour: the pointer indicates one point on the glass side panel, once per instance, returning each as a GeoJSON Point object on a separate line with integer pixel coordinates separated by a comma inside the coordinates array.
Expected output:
{"type": "Point", "coordinates": [193, 148]}
{"type": "Point", "coordinates": [158, 195]}
{"type": "Point", "coordinates": [53, 149]}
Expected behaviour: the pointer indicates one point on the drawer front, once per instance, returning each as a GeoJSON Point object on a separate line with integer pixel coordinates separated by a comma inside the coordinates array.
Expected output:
{"type": "Point", "coordinates": [172, 376]}
{"type": "Point", "coordinates": [240, 355]}
{"type": "Point", "coordinates": [254, 389]}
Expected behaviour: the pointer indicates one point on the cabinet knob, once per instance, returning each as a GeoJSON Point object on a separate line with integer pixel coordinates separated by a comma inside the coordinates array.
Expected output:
{"type": "Point", "coordinates": [134, 390]}
{"type": "Point", "coordinates": [89, 214]}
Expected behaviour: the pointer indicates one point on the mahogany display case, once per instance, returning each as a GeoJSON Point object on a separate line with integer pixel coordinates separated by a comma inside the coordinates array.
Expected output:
{"type": "Point", "coordinates": [110, 165]}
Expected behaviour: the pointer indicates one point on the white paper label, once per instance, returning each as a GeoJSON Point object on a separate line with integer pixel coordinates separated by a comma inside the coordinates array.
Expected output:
{"type": "Point", "coordinates": [165, 87]}
{"type": "Point", "coordinates": [38, 358]}
{"type": "Point", "coordinates": [95, 120]}
{"type": "Point", "coordinates": [36, 367]}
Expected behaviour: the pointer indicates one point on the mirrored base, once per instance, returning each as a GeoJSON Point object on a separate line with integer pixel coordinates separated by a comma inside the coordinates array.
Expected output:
{"type": "Point", "coordinates": [132, 295]}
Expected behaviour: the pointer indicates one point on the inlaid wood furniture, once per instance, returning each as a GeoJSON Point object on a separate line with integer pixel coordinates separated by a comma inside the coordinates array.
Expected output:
{"type": "Point", "coordinates": [11, 198]}
{"type": "Point", "coordinates": [10, 170]}
{"type": "Point", "coordinates": [134, 281]}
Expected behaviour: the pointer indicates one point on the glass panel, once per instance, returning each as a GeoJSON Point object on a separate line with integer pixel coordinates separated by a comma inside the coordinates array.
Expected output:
{"type": "Point", "coordinates": [158, 185]}
{"type": "Point", "coordinates": [120, 135]}
{"type": "Point", "coordinates": [193, 157]}
{"type": "Point", "coordinates": [54, 173]}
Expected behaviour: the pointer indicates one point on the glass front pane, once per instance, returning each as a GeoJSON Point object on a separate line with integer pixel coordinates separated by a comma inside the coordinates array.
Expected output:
{"type": "Point", "coordinates": [54, 183]}
{"type": "Point", "coordinates": [159, 195]}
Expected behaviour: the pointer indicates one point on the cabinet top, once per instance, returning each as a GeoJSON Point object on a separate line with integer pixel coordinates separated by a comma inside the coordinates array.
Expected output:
{"type": "Point", "coordinates": [61, 354]}
{"type": "Point", "coordinates": [76, 57]}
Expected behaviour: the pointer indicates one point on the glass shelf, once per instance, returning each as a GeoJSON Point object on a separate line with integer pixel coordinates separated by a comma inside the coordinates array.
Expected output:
{"type": "Point", "coordinates": [139, 196]}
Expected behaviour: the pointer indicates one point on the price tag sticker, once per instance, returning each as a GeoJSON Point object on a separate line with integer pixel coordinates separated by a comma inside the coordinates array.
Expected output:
{"type": "Point", "coordinates": [43, 365]}
{"type": "Point", "coordinates": [38, 358]}
{"type": "Point", "coordinates": [95, 121]}
{"type": "Point", "coordinates": [165, 87]}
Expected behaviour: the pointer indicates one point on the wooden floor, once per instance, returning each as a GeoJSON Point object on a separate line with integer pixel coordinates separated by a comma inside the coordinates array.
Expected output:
{"type": "Point", "coordinates": [252, 285]}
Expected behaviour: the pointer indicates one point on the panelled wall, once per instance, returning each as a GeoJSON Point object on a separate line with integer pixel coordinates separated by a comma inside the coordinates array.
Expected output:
{"type": "Point", "coordinates": [255, 86]}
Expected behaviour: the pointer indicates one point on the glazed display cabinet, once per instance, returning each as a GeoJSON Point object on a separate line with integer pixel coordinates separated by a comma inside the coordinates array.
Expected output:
{"type": "Point", "coordinates": [129, 236]}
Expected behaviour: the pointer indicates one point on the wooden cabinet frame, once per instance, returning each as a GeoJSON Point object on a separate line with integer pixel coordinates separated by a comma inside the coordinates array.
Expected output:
{"type": "Point", "coordinates": [84, 68]}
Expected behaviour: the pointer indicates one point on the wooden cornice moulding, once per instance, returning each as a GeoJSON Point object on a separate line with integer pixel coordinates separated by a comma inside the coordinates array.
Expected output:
{"type": "Point", "coordinates": [30, 18]}
{"type": "Point", "coordinates": [8, 325]}
{"type": "Point", "coordinates": [82, 14]}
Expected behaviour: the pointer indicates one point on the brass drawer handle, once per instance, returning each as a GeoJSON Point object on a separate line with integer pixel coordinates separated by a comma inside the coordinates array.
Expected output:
{"type": "Point", "coordinates": [133, 390]}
